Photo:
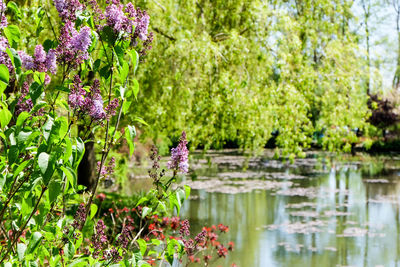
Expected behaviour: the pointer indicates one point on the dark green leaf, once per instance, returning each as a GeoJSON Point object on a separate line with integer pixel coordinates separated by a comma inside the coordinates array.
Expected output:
{"type": "Point", "coordinates": [34, 242]}
{"type": "Point", "coordinates": [4, 78]}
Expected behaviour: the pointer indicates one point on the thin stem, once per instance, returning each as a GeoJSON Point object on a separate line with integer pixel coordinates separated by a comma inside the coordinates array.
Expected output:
{"type": "Point", "coordinates": [51, 24]}
{"type": "Point", "coordinates": [11, 196]}
{"type": "Point", "coordinates": [106, 149]}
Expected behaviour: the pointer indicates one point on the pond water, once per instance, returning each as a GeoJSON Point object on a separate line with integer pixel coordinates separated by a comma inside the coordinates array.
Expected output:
{"type": "Point", "coordinates": [317, 211]}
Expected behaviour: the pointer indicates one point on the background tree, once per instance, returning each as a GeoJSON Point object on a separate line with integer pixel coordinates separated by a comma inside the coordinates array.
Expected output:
{"type": "Point", "coordinates": [234, 72]}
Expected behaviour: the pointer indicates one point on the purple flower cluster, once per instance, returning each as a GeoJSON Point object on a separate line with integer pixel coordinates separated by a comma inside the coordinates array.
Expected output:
{"type": "Point", "coordinates": [23, 104]}
{"type": "Point", "coordinates": [76, 96]}
{"type": "Point", "coordinates": [116, 19]}
{"type": "Point", "coordinates": [179, 156]}
{"type": "Point", "coordinates": [200, 237]}
{"type": "Point", "coordinates": [112, 255]}
{"type": "Point", "coordinates": [142, 24]}
{"type": "Point", "coordinates": [80, 216]}
{"type": "Point", "coordinates": [4, 58]}
{"type": "Point", "coordinates": [98, 15]}
{"type": "Point", "coordinates": [106, 171]}
{"type": "Point", "coordinates": [94, 102]}
{"type": "Point", "coordinates": [189, 246]}
{"type": "Point", "coordinates": [184, 230]}
{"type": "Point", "coordinates": [124, 237]}
{"type": "Point", "coordinates": [99, 239]}
{"type": "Point", "coordinates": [87, 103]}
{"type": "Point", "coordinates": [3, 18]}
{"type": "Point", "coordinates": [67, 9]}
{"type": "Point", "coordinates": [41, 61]}
{"type": "Point", "coordinates": [111, 108]}
{"type": "Point", "coordinates": [73, 45]}
{"type": "Point", "coordinates": [122, 18]}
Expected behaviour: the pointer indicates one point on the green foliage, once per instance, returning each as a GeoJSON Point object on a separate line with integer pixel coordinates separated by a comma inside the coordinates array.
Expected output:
{"type": "Point", "coordinates": [238, 71]}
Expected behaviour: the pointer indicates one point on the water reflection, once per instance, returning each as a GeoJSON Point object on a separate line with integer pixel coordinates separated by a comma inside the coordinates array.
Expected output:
{"type": "Point", "coordinates": [316, 214]}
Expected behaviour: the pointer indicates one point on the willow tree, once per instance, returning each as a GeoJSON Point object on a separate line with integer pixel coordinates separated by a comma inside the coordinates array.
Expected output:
{"type": "Point", "coordinates": [237, 71]}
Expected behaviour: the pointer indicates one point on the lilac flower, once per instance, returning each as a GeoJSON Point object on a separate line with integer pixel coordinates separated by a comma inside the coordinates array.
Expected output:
{"type": "Point", "coordinates": [179, 156]}
{"type": "Point", "coordinates": [111, 108]}
{"type": "Point", "coordinates": [189, 246]}
{"type": "Point", "coordinates": [75, 98]}
{"type": "Point", "coordinates": [130, 10]}
{"type": "Point", "coordinates": [142, 24]}
{"type": "Point", "coordinates": [47, 79]}
{"type": "Point", "coordinates": [97, 13]}
{"type": "Point", "coordinates": [99, 239]}
{"type": "Point", "coordinates": [27, 60]}
{"type": "Point", "coordinates": [23, 104]}
{"type": "Point", "coordinates": [96, 110]}
{"type": "Point", "coordinates": [72, 47]}
{"type": "Point", "coordinates": [51, 61]}
{"type": "Point", "coordinates": [112, 254]}
{"type": "Point", "coordinates": [67, 9]}
{"type": "Point", "coordinates": [40, 59]}
{"type": "Point", "coordinates": [80, 216]}
{"type": "Point", "coordinates": [40, 54]}
{"type": "Point", "coordinates": [200, 237]}
{"type": "Point", "coordinates": [82, 41]}
{"type": "Point", "coordinates": [106, 171]}
{"type": "Point", "coordinates": [4, 58]}
{"type": "Point", "coordinates": [123, 238]}
{"type": "Point", "coordinates": [3, 43]}
{"type": "Point", "coordinates": [116, 18]}
{"type": "Point", "coordinates": [184, 231]}
{"type": "Point", "coordinates": [3, 19]}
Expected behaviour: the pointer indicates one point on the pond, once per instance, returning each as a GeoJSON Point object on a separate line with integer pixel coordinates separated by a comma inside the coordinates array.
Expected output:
{"type": "Point", "coordinates": [317, 211]}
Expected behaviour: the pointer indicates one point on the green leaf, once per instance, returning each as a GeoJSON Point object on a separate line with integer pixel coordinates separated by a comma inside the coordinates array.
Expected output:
{"type": "Point", "coordinates": [156, 242]}
{"type": "Point", "coordinates": [21, 248]}
{"type": "Point", "coordinates": [15, 59]}
{"type": "Point", "coordinates": [22, 118]}
{"type": "Point", "coordinates": [39, 77]}
{"type": "Point", "coordinates": [124, 71]}
{"type": "Point", "coordinates": [146, 211]}
{"type": "Point", "coordinates": [4, 78]}
{"type": "Point", "coordinates": [143, 199]}
{"type": "Point", "coordinates": [15, 9]}
{"type": "Point", "coordinates": [108, 35]}
{"type": "Point", "coordinates": [68, 149]}
{"type": "Point", "coordinates": [54, 190]}
{"type": "Point", "coordinates": [46, 164]}
{"type": "Point", "coordinates": [22, 166]}
{"type": "Point", "coordinates": [69, 250]}
{"type": "Point", "coordinates": [138, 119]}
{"type": "Point", "coordinates": [71, 176]}
{"type": "Point", "coordinates": [79, 152]}
{"type": "Point", "coordinates": [130, 134]}
{"type": "Point", "coordinates": [13, 153]}
{"type": "Point", "coordinates": [187, 191]}
{"type": "Point", "coordinates": [13, 35]}
{"type": "Point", "coordinates": [43, 162]}
{"type": "Point", "coordinates": [5, 117]}
{"type": "Point", "coordinates": [79, 262]}
{"type": "Point", "coordinates": [34, 242]}
{"type": "Point", "coordinates": [135, 88]}
{"type": "Point", "coordinates": [142, 246]}
{"type": "Point", "coordinates": [93, 210]}
{"type": "Point", "coordinates": [134, 60]}
{"type": "Point", "coordinates": [35, 91]}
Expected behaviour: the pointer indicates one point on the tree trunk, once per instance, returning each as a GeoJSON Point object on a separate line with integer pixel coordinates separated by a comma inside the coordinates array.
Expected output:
{"type": "Point", "coordinates": [87, 167]}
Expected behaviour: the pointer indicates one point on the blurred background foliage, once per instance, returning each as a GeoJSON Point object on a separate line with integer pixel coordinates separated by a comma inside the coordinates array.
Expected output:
{"type": "Point", "coordinates": [238, 73]}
